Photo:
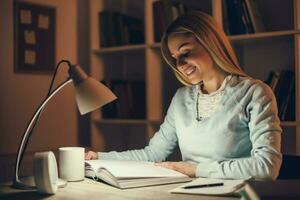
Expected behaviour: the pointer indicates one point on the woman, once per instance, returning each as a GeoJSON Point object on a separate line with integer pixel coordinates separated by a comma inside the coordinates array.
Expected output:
{"type": "Point", "coordinates": [224, 122]}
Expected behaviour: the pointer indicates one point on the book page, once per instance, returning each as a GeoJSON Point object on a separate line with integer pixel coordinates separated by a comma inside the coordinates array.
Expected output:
{"type": "Point", "coordinates": [133, 169]}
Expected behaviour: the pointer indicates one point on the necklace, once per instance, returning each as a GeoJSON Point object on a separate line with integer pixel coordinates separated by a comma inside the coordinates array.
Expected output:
{"type": "Point", "coordinates": [198, 118]}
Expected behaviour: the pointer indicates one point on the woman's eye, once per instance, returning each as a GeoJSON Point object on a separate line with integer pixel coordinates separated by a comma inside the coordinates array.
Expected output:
{"type": "Point", "coordinates": [186, 54]}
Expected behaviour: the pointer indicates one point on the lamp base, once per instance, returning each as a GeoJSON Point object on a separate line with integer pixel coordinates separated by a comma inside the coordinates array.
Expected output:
{"type": "Point", "coordinates": [28, 183]}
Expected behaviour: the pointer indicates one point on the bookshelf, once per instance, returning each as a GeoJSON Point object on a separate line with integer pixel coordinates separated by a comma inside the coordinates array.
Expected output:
{"type": "Point", "coordinates": [276, 48]}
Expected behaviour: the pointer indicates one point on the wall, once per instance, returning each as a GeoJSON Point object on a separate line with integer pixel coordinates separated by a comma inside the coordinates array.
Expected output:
{"type": "Point", "coordinates": [22, 93]}
{"type": "Point", "coordinates": [83, 55]}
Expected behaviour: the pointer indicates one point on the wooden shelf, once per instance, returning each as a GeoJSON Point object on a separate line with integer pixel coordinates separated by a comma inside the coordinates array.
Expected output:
{"type": "Point", "coordinates": [253, 36]}
{"type": "Point", "coordinates": [155, 45]}
{"type": "Point", "coordinates": [120, 48]}
{"type": "Point", "coordinates": [289, 123]}
{"type": "Point", "coordinates": [263, 35]}
{"type": "Point", "coordinates": [235, 38]}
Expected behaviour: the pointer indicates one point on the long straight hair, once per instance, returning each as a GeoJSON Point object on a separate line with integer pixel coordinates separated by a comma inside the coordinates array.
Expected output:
{"type": "Point", "coordinates": [210, 35]}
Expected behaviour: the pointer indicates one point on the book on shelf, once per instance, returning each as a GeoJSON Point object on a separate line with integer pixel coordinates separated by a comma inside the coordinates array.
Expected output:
{"type": "Point", "coordinates": [109, 110]}
{"type": "Point", "coordinates": [131, 102]}
{"type": "Point", "coordinates": [283, 85]}
{"type": "Point", "coordinates": [283, 89]}
{"type": "Point", "coordinates": [255, 16]}
{"type": "Point", "coordinates": [164, 12]}
{"type": "Point", "coordinates": [225, 18]}
{"type": "Point", "coordinates": [117, 29]}
{"type": "Point", "coordinates": [246, 17]}
{"type": "Point", "coordinates": [218, 187]}
{"type": "Point", "coordinates": [133, 29]}
{"type": "Point", "coordinates": [105, 29]}
{"type": "Point", "coordinates": [137, 94]}
{"type": "Point", "coordinates": [289, 113]}
{"type": "Point", "coordinates": [158, 21]}
{"type": "Point", "coordinates": [273, 79]}
{"type": "Point", "coordinates": [243, 17]}
{"type": "Point", "coordinates": [237, 23]}
{"type": "Point", "coordinates": [279, 189]}
{"type": "Point", "coordinates": [131, 174]}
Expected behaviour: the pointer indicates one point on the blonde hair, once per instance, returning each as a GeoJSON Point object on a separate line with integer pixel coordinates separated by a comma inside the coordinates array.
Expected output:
{"type": "Point", "coordinates": [206, 30]}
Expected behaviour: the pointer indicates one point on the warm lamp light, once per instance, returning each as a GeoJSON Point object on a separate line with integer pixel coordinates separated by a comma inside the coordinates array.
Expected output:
{"type": "Point", "coordinates": [90, 95]}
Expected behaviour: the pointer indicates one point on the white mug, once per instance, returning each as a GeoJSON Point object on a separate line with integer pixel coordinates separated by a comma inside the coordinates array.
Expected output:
{"type": "Point", "coordinates": [71, 163]}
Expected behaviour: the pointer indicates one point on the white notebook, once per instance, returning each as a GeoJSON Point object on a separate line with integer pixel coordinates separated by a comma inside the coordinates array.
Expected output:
{"type": "Point", "coordinates": [229, 187]}
{"type": "Point", "coordinates": [129, 174]}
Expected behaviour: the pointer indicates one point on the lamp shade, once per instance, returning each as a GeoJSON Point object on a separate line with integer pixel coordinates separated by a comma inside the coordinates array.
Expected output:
{"type": "Point", "coordinates": [92, 94]}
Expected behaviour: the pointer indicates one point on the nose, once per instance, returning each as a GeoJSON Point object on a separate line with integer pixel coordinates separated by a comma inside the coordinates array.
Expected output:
{"type": "Point", "coordinates": [180, 62]}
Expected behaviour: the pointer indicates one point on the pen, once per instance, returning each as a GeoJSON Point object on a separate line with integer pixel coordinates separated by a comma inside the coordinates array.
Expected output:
{"type": "Point", "coordinates": [203, 185]}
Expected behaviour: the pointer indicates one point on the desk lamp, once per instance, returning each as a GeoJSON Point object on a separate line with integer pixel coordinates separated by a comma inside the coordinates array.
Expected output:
{"type": "Point", "coordinates": [90, 95]}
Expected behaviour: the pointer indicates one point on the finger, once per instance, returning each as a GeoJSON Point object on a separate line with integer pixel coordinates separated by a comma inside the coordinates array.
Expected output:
{"type": "Point", "coordinates": [158, 164]}
{"type": "Point", "coordinates": [88, 156]}
{"type": "Point", "coordinates": [163, 164]}
{"type": "Point", "coordinates": [95, 155]}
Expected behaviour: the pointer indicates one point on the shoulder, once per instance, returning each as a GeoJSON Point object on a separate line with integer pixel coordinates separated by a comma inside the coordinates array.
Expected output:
{"type": "Point", "coordinates": [249, 87]}
{"type": "Point", "coordinates": [185, 92]}
{"type": "Point", "coordinates": [184, 95]}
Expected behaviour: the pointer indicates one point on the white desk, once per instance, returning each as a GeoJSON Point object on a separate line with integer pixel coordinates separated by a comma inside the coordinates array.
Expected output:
{"type": "Point", "coordinates": [90, 190]}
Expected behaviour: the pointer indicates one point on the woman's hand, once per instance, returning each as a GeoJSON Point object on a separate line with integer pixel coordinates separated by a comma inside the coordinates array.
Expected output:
{"type": "Point", "coordinates": [91, 155]}
{"type": "Point", "coordinates": [183, 167]}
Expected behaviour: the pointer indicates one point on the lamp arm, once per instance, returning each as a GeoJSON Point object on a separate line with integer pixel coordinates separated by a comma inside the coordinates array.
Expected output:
{"type": "Point", "coordinates": [26, 134]}
{"type": "Point", "coordinates": [49, 92]}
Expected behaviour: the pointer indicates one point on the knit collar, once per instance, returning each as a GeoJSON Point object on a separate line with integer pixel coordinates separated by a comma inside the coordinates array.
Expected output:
{"type": "Point", "coordinates": [218, 91]}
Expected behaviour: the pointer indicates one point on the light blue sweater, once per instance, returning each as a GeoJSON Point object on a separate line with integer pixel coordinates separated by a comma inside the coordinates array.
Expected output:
{"type": "Point", "coordinates": [240, 140]}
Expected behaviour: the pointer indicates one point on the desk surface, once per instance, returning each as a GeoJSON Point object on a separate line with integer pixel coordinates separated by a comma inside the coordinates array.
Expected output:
{"type": "Point", "coordinates": [91, 190]}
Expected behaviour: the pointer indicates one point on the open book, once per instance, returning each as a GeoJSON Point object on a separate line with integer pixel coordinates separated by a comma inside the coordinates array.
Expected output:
{"type": "Point", "coordinates": [211, 186]}
{"type": "Point", "coordinates": [130, 174]}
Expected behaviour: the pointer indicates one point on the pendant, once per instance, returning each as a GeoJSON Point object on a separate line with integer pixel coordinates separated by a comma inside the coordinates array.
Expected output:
{"type": "Point", "coordinates": [199, 119]}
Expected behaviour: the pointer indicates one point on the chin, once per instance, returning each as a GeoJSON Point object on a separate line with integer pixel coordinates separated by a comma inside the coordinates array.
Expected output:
{"type": "Point", "coordinates": [195, 81]}
{"type": "Point", "coordinates": [195, 78]}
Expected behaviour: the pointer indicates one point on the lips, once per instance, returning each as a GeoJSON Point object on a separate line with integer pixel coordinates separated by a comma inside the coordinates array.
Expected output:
{"type": "Point", "coordinates": [190, 70]}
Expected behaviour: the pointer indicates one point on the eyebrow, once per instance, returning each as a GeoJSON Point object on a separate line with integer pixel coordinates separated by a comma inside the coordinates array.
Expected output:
{"type": "Point", "coordinates": [182, 45]}
{"type": "Point", "coordinates": [186, 43]}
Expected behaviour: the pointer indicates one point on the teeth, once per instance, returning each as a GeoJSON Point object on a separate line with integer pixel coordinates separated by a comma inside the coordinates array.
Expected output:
{"type": "Point", "coordinates": [190, 70]}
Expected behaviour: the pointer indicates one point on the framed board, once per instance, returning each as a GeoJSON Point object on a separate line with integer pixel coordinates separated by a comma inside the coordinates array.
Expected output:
{"type": "Point", "coordinates": [34, 38]}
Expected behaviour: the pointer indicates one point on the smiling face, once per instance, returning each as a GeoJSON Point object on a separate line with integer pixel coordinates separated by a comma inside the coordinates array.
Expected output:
{"type": "Point", "coordinates": [191, 59]}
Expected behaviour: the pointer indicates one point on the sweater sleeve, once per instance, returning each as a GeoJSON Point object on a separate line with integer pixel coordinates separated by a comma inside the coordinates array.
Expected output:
{"type": "Point", "coordinates": [160, 146]}
{"type": "Point", "coordinates": [265, 136]}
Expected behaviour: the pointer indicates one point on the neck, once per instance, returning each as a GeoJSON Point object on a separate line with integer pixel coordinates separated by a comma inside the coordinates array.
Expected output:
{"type": "Point", "coordinates": [213, 83]}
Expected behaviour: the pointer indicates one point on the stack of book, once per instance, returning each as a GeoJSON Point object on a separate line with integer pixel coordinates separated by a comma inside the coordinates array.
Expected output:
{"type": "Point", "coordinates": [116, 29]}
{"type": "Point", "coordinates": [131, 102]}
{"type": "Point", "coordinates": [283, 85]}
{"type": "Point", "coordinates": [243, 16]}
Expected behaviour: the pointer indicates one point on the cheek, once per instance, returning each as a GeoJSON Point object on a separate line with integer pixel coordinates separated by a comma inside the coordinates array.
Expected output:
{"type": "Point", "coordinates": [204, 62]}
